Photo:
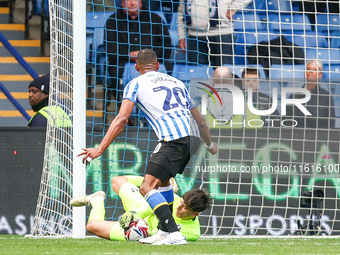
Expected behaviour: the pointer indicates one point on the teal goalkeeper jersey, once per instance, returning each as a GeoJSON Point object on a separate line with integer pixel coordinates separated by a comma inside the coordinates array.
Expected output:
{"type": "Point", "coordinates": [191, 229]}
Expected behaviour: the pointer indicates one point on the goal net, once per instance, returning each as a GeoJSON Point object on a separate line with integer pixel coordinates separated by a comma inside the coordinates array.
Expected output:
{"type": "Point", "coordinates": [277, 169]}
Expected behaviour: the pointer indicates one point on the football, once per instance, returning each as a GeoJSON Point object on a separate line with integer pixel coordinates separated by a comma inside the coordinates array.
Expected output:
{"type": "Point", "coordinates": [137, 230]}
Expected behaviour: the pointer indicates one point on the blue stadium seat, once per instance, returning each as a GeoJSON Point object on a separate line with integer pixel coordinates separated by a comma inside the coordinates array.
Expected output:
{"type": "Point", "coordinates": [95, 25]}
{"type": "Point", "coordinates": [331, 73]}
{"type": "Point", "coordinates": [335, 39]}
{"type": "Point", "coordinates": [286, 72]}
{"type": "Point", "coordinates": [98, 39]}
{"type": "Point", "coordinates": [327, 56]}
{"type": "Point", "coordinates": [130, 72]}
{"type": "Point", "coordinates": [308, 39]}
{"type": "Point", "coordinates": [327, 22]}
{"type": "Point", "coordinates": [288, 22]}
{"type": "Point", "coordinates": [178, 56]}
{"type": "Point", "coordinates": [279, 5]}
{"type": "Point", "coordinates": [247, 21]}
{"type": "Point", "coordinates": [270, 6]}
{"type": "Point", "coordinates": [96, 19]}
{"type": "Point", "coordinates": [186, 72]}
{"type": "Point", "coordinates": [238, 69]}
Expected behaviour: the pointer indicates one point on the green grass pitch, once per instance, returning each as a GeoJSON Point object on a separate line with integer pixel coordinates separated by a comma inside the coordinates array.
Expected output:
{"type": "Point", "coordinates": [21, 245]}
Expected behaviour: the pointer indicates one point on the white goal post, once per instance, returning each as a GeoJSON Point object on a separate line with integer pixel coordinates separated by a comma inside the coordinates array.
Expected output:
{"type": "Point", "coordinates": [64, 175]}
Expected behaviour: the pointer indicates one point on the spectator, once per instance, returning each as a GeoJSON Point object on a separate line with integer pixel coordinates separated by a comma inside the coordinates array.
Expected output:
{"type": "Point", "coordinates": [320, 105]}
{"type": "Point", "coordinates": [208, 27]}
{"type": "Point", "coordinates": [130, 29]}
{"type": "Point", "coordinates": [251, 79]}
{"type": "Point", "coordinates": [277, 51]}
{"type": "Point", "coordinates": [221, 76]}
{"type": "Point", "coordinates": [38, 99]}
{"type": "Point", "coordinates": [221, 115]}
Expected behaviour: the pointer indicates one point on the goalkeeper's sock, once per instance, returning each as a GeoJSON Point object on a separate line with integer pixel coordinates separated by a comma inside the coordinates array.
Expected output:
{"type": "Point", "coordinates": [98, 209]}
{"type": "Point", "coordinates": [160, 207]}
{"type": "Point", "coordinates": [168, 194]}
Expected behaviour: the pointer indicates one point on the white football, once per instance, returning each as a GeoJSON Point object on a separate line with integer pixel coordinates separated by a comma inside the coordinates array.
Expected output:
{"type": "Point", "coordinates": [137, 230]}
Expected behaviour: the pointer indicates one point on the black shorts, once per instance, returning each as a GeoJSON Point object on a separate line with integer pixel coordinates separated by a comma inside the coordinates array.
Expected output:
{"type": "Point", "coordinates": [171, 158]}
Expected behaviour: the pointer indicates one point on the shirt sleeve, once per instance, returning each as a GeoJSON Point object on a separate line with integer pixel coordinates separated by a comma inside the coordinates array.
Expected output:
{"type": "Point", "coordinates": [130, 91]}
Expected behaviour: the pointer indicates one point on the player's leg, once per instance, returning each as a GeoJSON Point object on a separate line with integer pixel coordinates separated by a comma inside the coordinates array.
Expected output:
{"type": "Point", "coordinates": [96, 223]}
{"type": "Point", "coordinates": [117, 182]}
{"type": "Point", "coordinates": [188, 146]}
{"type": "Point", "coordinates": [167, 192]}
{"type": "Point", "coordinates": [101, 228]}
{"type": "Point", "coordinates": [158, 203]}
{"type": "Point", "coordinates": [159, 197]}
{"type": "Point", "coordinates": [125, 187]}
{"type": "Point", "coordinates": [221, 49]}
{"type": "Point", "coordinates": [156, 180]}
{"type": "Point", "coordinates": [131, 199]}
{"type": "Point", "coordinates": [106, 229]}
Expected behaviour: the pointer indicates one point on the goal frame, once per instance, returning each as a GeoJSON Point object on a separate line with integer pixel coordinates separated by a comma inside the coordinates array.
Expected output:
{"type": "Point", "coordinates": [79, 113]}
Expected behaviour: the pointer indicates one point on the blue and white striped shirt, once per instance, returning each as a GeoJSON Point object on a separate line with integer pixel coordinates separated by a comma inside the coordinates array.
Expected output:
{"type": "Point", "coordinates": [166, 103]}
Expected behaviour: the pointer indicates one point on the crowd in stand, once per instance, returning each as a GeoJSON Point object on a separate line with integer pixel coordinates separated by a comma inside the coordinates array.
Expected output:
{"type": "Point", "coordinates": [206, 36]}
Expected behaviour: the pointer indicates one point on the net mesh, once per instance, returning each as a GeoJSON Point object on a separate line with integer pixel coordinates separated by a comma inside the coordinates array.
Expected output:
{"type": "Point", "coordinates": [259, 178]}
{"type": "Point", "coordinates": [53, 214]}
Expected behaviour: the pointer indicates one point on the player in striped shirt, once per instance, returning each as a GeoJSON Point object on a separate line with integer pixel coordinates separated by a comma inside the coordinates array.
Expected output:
{"type": "Point", "coordinates": [186, 209]}
{"type": "Point", "coordinates": [178, 125]}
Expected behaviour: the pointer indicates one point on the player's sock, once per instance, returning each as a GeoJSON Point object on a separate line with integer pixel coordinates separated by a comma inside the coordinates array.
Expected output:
{"type": "Point", "coordinates": [98, 209]}
{"type": "Point", "coordinates": [160, 207]}
{"type": "Point", "coordinates": [168, 194]}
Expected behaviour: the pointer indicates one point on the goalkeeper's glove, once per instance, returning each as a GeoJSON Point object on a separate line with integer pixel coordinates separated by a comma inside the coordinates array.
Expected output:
{"type": "Point", "coordinates": [126, 219]}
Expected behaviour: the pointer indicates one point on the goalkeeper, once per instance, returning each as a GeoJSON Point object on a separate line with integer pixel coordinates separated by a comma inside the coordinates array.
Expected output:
{"type": "Point", "coordinates": [186, 210]}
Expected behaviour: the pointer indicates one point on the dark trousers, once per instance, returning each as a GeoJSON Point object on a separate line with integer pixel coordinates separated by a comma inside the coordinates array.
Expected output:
{"type": "Point", "coordinates": [221, 50]}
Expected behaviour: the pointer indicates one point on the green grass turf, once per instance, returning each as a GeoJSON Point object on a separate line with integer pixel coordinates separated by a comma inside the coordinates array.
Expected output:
{"type": "Point", "coordinates": [21, 245]}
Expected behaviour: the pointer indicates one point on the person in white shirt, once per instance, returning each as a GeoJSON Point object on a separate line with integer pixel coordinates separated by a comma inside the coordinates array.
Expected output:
{"type": "Point", "coordinates": [204, 25]}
